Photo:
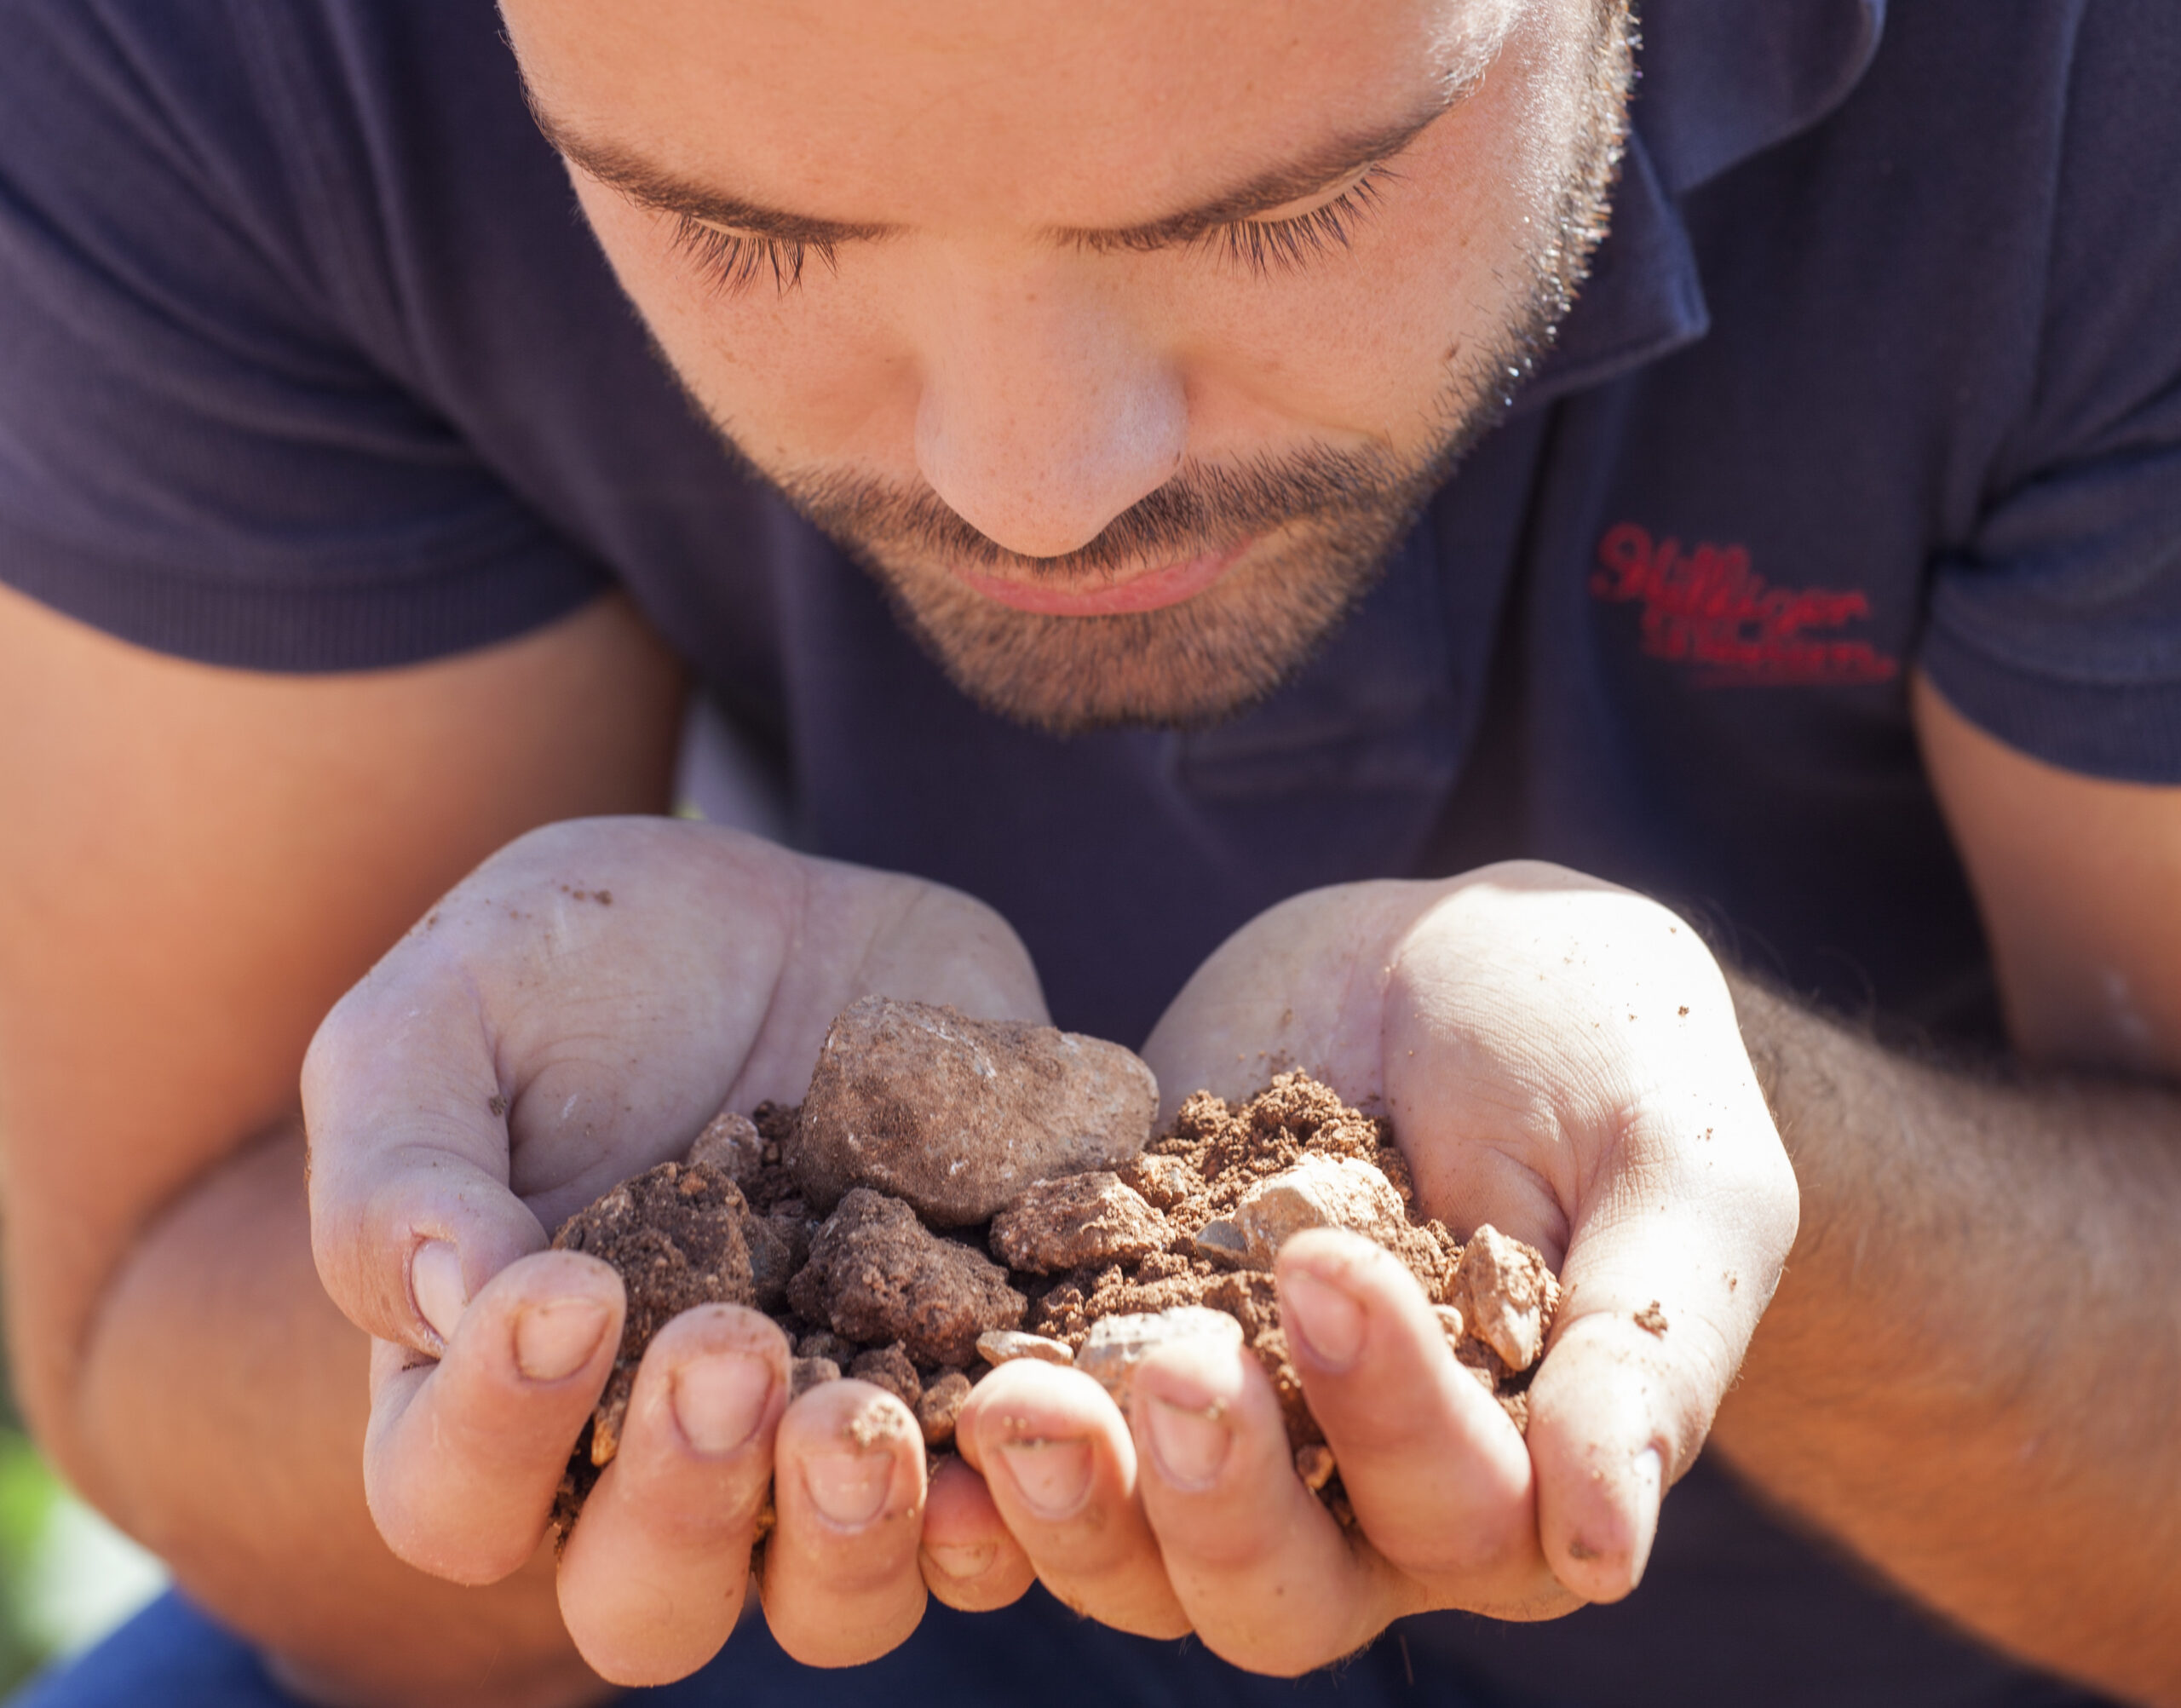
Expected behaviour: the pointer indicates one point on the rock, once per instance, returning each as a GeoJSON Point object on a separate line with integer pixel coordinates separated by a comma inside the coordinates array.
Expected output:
{"type": "Point", "coordinates": [957, 1116]}
{"type": "Point", "coordinates": [679, 1237]}
{"type": "Point", "coordinates": [825, 1343]}
{"type": "Point", "coordinates": [1505, 1295]}
{"type": "Point", "coordinates": [941, 1406]}
{"type": "Point", "coordinates": [773, 1261]}
{"type": "Point", "coordinates": [1318, 1191]}
{"type": "Point", "coordinates": [876, 1273]}
{"type": "Point", "coordinates": [1220, 1241]}
{"type": "Point", "coordinates": [998, 1346]}
{"type": "Point", "coordinates": [1164, 1180]}
{"type": "Point", "coordinates": [1076, 1220]}
{"type": "Point", "coordinates": [1316, 1465]}
{"type": "Point", "coordinates": [1117, 1344]}
{"type": "Point", "coordinates": [1450, 1320]}
{"type": "Point", "coordinates": [732, 1143]}
{"type": "Point", "coordinates": [891, 1368]}
{"type": "Point", "coordinates": [804, 1374]}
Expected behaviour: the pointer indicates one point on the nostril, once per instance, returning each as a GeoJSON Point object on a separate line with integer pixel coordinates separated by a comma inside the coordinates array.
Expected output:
{"type": "Point", "coordinates": [1039, 445]}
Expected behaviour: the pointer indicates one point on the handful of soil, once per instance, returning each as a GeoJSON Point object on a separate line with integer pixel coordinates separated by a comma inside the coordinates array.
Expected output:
{"type": "Point", "coordinates": [955, 1194]}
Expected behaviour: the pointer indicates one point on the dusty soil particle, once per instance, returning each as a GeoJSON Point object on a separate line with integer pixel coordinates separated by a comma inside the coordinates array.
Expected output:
{"type": "Point", "coordinates": [957, 1116]}
{"type": "Point", "coordinates": [1652, 1319]}
{"type": "Point", "coordinates": [941, 1403]}
{"type": "Point", "coordinates": [876, 1274]}
{"type": "Point", "coordinates": [1315, 1465]}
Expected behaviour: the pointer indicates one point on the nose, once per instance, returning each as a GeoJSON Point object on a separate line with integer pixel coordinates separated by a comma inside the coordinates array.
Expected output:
{"type": "Point", "coordinates": [1044, 413]}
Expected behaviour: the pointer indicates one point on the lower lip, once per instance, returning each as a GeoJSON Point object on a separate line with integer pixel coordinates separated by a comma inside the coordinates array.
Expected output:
{"type": "Point", "coordinates": [1152, 590]}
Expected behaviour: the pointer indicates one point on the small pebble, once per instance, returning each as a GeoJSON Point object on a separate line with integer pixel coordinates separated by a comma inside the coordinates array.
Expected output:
{"type": "Point", "coordinates": [1006, 1345]}
{"type": "Point", "coordinates": [1316, 1465]}
{"type": "Point", "coordinates": [807, 1373]}
{"type": "Point", "coordinates": [941, 1403]}
{"type": "Point", "coordinates": [1117, 1344]}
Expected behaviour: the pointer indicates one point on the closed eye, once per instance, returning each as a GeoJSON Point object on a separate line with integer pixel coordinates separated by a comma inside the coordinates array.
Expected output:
{"type": "Point", "coordinates": [733, 261]}
{"type": "Point", "coordinates": [1285, 243]}
{"type": "Point", "coordinates": [1267, 243]}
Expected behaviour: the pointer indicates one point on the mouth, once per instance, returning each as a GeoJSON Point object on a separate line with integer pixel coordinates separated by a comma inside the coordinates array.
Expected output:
{"type": "Point", "coordinates": [1147, 589]}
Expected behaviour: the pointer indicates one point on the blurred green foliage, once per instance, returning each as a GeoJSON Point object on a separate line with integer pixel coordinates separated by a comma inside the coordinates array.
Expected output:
{"type": "Point", "coordinates": [28, 1496]}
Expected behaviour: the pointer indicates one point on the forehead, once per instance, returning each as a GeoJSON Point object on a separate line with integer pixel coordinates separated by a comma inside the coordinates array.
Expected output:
{"type": "Point", "coordinates": [1076, 112]}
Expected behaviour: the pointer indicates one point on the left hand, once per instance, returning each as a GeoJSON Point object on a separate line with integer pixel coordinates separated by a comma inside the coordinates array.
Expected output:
{"type": "Point", "coordinates": [1560, 1058]}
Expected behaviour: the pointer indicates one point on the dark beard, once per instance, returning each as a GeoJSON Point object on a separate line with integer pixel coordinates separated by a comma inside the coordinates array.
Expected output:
{"type": "Point", "coordinates": [1327, 522]}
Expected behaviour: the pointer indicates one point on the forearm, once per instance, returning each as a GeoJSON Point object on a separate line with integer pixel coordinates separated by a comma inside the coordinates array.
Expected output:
{"type": "Point", "coordinates": [1970, 1370]}
{"type": "Point", "coordinates": [220, 1413]}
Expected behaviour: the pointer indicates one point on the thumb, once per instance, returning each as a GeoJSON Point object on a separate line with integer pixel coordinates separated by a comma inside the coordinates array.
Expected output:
{"type": "Point", "coordinates": [409, 1205]}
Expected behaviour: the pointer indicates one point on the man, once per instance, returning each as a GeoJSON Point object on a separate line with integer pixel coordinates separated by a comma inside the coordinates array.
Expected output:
{"type": "Point", "coordinates": [1827, 544]}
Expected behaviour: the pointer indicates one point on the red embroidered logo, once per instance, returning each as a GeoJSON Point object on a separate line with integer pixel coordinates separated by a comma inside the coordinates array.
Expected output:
{"type": "Point", "coordinates": [1708, 609]}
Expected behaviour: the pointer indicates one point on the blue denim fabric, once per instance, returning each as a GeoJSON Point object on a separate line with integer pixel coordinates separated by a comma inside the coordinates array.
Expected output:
{"type": "Point", "coordinates": [172, 1656]}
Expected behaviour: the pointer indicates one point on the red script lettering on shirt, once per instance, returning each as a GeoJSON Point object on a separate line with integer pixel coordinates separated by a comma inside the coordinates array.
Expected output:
{"type": "Point", "coordinates": [1709, 610]}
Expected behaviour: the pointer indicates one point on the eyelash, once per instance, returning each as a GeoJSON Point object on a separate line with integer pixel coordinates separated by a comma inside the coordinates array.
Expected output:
{"type": "Point", "coordinates": [1268, 246]}
{"type": "Point", "coordinates": [734, 260]}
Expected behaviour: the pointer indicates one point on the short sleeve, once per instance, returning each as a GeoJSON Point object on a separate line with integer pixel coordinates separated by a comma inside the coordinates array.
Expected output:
{"type": "Point", "coordinates": [199, 451]}
{"type": "Point", "coordinates": [2058, 627]}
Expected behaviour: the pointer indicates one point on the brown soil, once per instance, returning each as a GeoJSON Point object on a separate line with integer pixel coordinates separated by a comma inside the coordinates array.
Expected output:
{"type": "Point", "coordinates": [1120, 1246]}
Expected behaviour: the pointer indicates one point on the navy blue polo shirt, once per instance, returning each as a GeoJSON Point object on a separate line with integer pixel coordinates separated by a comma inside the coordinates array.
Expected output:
{"type": "Point", "coordinates": [307, 364]}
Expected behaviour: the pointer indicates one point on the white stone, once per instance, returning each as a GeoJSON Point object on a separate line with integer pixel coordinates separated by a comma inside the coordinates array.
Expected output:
{"type": "Point", "coordinates": [1006, 1345]}
{"type": "Point", "coordinates": [1117, 1344]}
{"type": "Point", "coordinates": [1318, 1192]}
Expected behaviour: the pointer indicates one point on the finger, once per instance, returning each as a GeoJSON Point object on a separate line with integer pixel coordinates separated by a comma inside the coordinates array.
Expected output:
{"type": "Point", "coordinates": [1061, 1467]}
{"type": "Point", "coordinates": [841, 1580]}
{"type": "Point", "coordinates": [462, 1457]}
{"type": "Point", "coordinates": [652, 1579]}
{"type": "Point", "coordinates": [411, 1210]}
{"type": "Point", "coordinates": [969, 1561]}
{"type": "Point", "coordinates": [1439, 1478]}
{"type": "Point", "coordinates": [1267, 1578]}
{"type": "Point", "coordinates": [1647, 1342]}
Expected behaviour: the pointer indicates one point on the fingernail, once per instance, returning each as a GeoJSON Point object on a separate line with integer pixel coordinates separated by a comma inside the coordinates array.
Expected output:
{"type": "Point", "coordinates": [848, 1488]}
{"type": "Point", "coordinates": [556, 1339]}
{"type": "Point", "coordinates": [1327, 1324]}
{"type": "Point", "coordinates": [435, 1286]}
{"type": "Point", "coordinates": [1053, 1477]}
{"type": "Point", "coordinates": [1189, 1446]}
{"type": "Point", "coordinates": [1649, 1480]}
{"type": "Point", "coordinates": [962, 1559]}
{"type": "Point", "coordinates": [719, 1398]}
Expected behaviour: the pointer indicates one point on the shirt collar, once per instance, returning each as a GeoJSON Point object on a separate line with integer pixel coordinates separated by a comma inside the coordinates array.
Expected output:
{"type": "Point", "coordinates": [1720, 81]}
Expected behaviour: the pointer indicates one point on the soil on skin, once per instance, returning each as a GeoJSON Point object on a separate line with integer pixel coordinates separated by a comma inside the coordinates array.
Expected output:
{"type": "Point", "coordinates": [874, 1291]}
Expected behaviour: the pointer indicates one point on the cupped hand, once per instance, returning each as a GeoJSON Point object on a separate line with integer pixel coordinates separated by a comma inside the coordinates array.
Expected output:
{"type": "Point", "coordinates": [569, 1016]}
{"type": "Point", "coordinates": [1560, 1059]}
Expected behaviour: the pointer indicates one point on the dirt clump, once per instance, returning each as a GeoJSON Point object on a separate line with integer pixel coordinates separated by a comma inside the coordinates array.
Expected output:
{"type": "Point", "coordinates": [935, 1139]}
{"type": "Point", "coordinates": [1077, 1219]}
{"type": "Point", "coordinates": [877, 1275]}
{"type": "Point", "coordinates": [680, 1236]}
{"type": "Point", "coordinates": [957, 1116]}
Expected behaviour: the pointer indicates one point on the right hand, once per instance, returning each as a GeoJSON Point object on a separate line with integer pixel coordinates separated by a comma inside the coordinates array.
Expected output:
{"type": "Point", "coordinates": [571, 1014]}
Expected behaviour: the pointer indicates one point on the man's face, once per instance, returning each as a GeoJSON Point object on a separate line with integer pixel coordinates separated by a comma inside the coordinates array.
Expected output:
{"type": "Point", "coordinates": [1121, 340]}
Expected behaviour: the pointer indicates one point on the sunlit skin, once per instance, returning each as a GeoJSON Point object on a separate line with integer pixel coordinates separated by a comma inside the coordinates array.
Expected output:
{"type": "Point", "coordinates": [1018, 318]}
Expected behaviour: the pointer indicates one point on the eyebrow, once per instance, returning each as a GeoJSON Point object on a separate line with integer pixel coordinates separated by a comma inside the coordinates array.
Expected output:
{"type": "Point", "coordinates": [652, 187]}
